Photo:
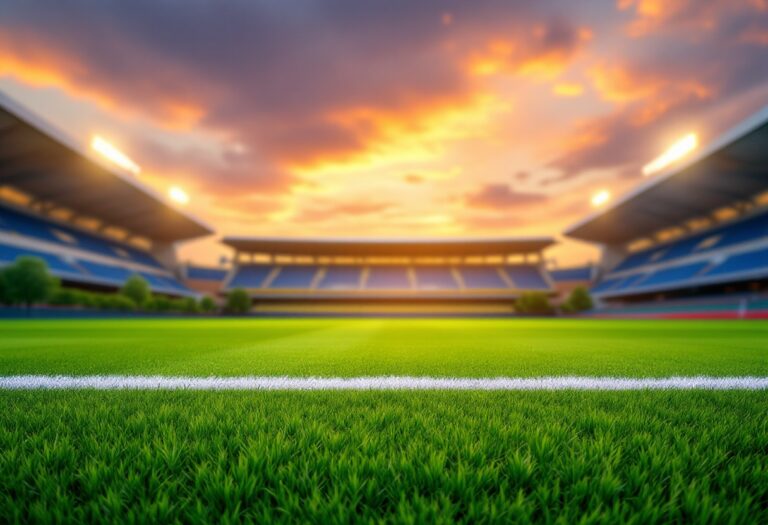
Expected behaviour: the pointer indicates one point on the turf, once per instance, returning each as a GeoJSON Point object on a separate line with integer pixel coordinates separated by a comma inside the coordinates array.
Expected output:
{"type": "Point", "coordinates": [406, 457]}
{"type": "Point", "coordinates": [363, 347]}
{"type": "Point", "coordinates": [341, 457]}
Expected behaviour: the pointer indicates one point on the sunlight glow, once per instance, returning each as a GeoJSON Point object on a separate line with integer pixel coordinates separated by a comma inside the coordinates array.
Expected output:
{"type": "Point", "coordinates": [178, 195]}
{"type": "Point", "coordinates": [676, 151]}
{"type": "Point", "coordinates": [114, 155]}
{"type": "Point", "coordinates": [600, 198]}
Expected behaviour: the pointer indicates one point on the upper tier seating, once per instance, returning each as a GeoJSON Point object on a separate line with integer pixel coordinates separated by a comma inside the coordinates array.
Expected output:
{"type": "Point", "coordinates": [750, 229]}
{"type": "Point", "coordinates": [482, 277]}
{"type": "Point", "coordinates": [435, 278]}
{"type": "Point", "coordinates": [341, 278]}
{"type": "Point", "coordinates": [294, 277]}
{"type": "Point", "coordinates": [27, 225]}
{"type": "Point", "coordinates": [713, 267]}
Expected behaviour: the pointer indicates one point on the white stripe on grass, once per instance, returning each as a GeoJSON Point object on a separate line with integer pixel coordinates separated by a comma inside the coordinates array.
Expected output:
{"type": "Point", "coordinates": [124, 382]}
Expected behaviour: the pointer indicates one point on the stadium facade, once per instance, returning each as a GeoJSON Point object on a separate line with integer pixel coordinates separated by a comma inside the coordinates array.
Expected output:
{"type": "Point", "coordinates": [93, 223]}
{"type": "Point", "coordinates": [692, 241]}
{"type": "Point", "coordinates": [392, 276]}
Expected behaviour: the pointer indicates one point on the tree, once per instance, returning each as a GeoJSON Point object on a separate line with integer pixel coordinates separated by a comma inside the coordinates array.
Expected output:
{"type": "Point", "coordinates": [578, 301]}
{"type": "Point", "coordinates": [136, 289]}
{"type": "Point", "coordinates": [535, 303]}
{"type": "Point", "coordinates": [238, 301]}
{"type": "Point", "coordinates": [189, 305]}
{"type": "Point", "coordinates": [28, 282]}
{"type": "Point", "coordinates": [3, 297]}
{"type": "Point", "coordinates": [207, 304]}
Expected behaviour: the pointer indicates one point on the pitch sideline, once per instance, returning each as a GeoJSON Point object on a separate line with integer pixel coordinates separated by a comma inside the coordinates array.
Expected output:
{"type": "Point", "coordinates": [134, 382]}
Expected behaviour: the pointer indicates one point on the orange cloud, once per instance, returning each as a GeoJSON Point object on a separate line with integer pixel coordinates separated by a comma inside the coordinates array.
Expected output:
{"type": "Point", "coordinates": [543, 52]}
{"type": "Point", "coordinates": [656, 91]}
{"type": "Point", "coordinates": [566, 89]}
{"type": "Point", "coordinates": [40, 65]}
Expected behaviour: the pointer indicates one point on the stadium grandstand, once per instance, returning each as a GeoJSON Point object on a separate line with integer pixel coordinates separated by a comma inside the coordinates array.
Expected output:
{"type": "Point", "coordinates": [398, 276]}
{"type": "Point", "coordinates": [693, 240]}
{"type": "Point", "coordinates": [204, 279]}
{"type": "Point", "coordinates": [93, 223]}
{"type": "Point", "coordinates": [567, 279]}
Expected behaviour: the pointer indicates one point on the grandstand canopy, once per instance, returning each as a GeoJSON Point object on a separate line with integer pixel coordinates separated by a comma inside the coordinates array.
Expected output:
{"type": "Point", "coordinates": [44, 163]}
{"type": "Point", "coordinates": [731, 169]}
{"type": "Point", "coordinates": [388, 248]}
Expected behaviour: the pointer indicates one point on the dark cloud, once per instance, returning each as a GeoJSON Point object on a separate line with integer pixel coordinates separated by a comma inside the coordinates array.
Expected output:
{"type": "Point", "coordinates": [275, 75]}
{"type": "Point", "coordinates": [500, 197]}
{"type": "Point", "coordinates": [679, 79]}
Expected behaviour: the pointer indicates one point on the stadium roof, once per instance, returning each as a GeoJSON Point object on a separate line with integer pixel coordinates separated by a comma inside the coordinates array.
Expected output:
{"type": "Point", "coordinates": [44, 163]}
{"type": "Point", "coordinates": [388, 247]}
{"type": "Point", "coordinates": [731, 169]}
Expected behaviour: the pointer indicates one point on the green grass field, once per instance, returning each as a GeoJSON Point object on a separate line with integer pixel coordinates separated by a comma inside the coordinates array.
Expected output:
{"type": "Point", "coordinates": [340, 457]}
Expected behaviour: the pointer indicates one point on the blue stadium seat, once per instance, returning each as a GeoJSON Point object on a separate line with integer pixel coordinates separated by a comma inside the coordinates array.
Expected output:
{"type": "Point", "coordinates": [606, 285]}
{"type": "Point", "coordinates": [676, 274]}
{"type": "Point", "coordinates": [527, 277]}
{"type": "Point", "coordinates": [250, 276]}
{"type": "Point", "coordinates": [106, 272]}
{"type": "Point", "coordinates": [206, 274]}
{"type": "Point", "coordinates": [435, 278]}
{"type": "Point", "coordinates": [746, 230]}
{"type": "Point", "coordinates": [341, 278]}
{"type": "Point", "coordinates": [581, 273]}
{"type": "Point", "coordinates": [388, 277]}
{"type": "Point", "coordinates": [299, 276]}
{"type": "Point", "coordinates": [482, 277]}
{"type": "Point", "coordinates": [49, 231]}
{"type": "Point", "coordinates": [57, 266]}
{"type": "Point", "coordinates": [629, 282]}
{"type": "Point", "coordinates": [744, 262]}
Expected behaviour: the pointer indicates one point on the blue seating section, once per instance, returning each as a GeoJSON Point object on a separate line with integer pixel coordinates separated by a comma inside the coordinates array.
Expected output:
{"type": "Point", "coordinates": [106, 272]}
{"type": "Point", "coordinates": [250, 276]}
{"type": "Point", "coordinates": [341, 278]}
{"type": "Point", "coordinates": [435, 278]}
{"type": "Point", "coordinates": [675, 274]}
{"type": "Point", "coordinates": [581, 273]}
{"type": "Point", "coordinates": [482, 277]}
{"type": "Point", "coordinates": [42, 229]}
{"type": "Point", "coordinates": [201, 273]}
{"type": "Point", "coordinates": [756, 260]}
{"type": "Point", "coordinates": [527, 277]}
{"type": "Point", "coordinates": [388, 277]}
{"type": "Point", "coordinates": [90, 272]}
{"type": "Point", "coordinates": [56, 264]}
{"type": "Point", "coordinates": [746, 230]}
{"type": "Point", "coordinates": [299, 276]}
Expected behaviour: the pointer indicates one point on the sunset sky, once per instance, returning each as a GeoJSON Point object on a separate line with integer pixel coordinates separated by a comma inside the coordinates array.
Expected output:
{"type": "Point", "coordinates": [388, 118]}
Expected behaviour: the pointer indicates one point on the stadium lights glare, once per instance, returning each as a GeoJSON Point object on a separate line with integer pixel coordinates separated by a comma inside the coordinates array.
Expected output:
{"type": "Point", "coordinates": [178, 195]}
{"type": "Point", "coordinates": [676, 151]}
{"type": "Point", "coordinates": [600, 198]}
{"type": "Point", "coordinates": [114, 155]}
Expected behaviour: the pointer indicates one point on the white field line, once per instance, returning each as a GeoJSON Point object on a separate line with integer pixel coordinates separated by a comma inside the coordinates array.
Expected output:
{"type": "Point", "coordinates": [122, 382]}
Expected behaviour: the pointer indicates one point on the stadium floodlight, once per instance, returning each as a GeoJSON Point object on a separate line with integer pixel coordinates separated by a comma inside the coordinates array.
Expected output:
{"type": "Point", "coordinates": [178, 195]}
{"type": "Point", "coordinates": [600, 198]}
{"type": "Point", "coordinates": [675, 152]}
{"type": "Point", "coordinates": [114, 155]}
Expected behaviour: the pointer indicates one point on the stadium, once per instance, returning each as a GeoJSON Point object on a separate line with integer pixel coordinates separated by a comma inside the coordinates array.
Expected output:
{"type": "Point", "coordinates": [451, 373]}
